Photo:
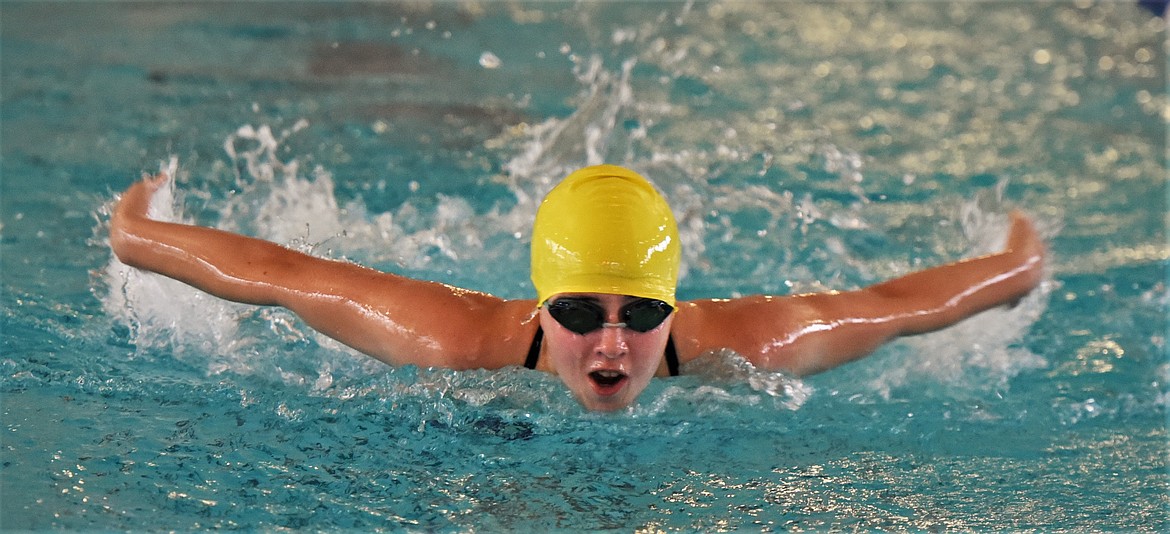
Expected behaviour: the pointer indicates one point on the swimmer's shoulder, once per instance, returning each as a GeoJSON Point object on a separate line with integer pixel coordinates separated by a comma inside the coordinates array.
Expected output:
{"type": "Point", "coordinates": [746, 325]}
{"type": "Point", "coordinates": [500, 338]}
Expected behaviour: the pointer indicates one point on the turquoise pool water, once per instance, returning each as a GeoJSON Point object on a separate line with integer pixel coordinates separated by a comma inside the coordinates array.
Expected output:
{"type": "Point", "coordinates": [804, 147]}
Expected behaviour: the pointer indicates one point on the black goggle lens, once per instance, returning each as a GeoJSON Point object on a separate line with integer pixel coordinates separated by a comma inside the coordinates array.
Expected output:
{"type": "Point", "coordinates": [645, 315]}
{"type": "Point", "coordinates": [584, 316]}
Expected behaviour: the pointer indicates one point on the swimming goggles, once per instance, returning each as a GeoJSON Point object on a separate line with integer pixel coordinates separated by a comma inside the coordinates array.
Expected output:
{"type": "Point", "coordinates": [584, 315]}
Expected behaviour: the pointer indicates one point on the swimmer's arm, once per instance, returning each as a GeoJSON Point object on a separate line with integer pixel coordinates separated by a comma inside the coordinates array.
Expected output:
{"type": "Point", "coordinates": [395, 319]}
{"type": "Point", "coordinates": [806, 334]}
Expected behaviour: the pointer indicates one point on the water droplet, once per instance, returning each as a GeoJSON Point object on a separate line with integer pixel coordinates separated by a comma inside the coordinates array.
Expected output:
{"type": "Point", "coordinates": [489, 60]}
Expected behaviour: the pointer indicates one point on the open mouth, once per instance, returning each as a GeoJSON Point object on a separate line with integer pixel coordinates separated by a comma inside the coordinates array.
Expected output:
{"type": "Point", "coordinates": [606, 382]}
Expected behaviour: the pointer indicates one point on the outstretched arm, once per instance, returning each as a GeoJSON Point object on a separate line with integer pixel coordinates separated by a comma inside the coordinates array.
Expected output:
{"type": "Point", "coordinates": [395, 319]}
{"type": "Point", "coordinates": [806, 334]}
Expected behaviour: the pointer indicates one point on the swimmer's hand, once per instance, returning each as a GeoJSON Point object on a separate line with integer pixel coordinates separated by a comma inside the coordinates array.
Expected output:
{"type": "Point", "coordinates": [1025, 243]}
{"type": "Point", "coordinates": [1027, 247]}
{"type": "Point", "coordinates": [131, 210]}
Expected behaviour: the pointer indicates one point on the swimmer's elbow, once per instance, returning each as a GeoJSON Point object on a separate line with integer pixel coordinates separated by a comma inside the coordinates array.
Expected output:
{"type": "Point", "coordinates": [129, 247]}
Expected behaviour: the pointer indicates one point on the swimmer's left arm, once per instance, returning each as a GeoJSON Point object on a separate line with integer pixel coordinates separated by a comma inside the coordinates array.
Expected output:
{"type": "Point", "coordinates": [806, 334]}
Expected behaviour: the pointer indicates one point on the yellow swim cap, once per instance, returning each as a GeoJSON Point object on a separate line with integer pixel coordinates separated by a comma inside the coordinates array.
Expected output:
{"type": "Point", "coordinates": [605, 229]}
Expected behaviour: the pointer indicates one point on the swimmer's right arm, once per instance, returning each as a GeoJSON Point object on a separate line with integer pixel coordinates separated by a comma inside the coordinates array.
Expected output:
{"type": "Point", "coordinates": [396, 319]}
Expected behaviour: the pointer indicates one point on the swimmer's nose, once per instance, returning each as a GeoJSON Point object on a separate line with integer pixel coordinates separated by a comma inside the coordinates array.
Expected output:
{"type": "Point", "coordinates": [612, 343]}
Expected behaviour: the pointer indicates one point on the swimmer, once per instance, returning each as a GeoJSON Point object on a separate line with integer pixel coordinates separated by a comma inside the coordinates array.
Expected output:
{"type": "Point", "coordinates": [605, 259]}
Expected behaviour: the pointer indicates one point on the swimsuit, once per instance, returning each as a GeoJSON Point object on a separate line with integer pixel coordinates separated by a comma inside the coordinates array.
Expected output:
{"type": "Point", "coordinates": [534, 353]}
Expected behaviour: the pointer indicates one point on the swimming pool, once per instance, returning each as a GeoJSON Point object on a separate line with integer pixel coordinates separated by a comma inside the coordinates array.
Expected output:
{"type": "Point", "coordinates": [803, 146]}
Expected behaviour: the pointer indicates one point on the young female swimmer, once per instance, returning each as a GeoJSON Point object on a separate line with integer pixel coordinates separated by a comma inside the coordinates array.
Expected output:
{"type": "Point", "coordinates": [605, 257]}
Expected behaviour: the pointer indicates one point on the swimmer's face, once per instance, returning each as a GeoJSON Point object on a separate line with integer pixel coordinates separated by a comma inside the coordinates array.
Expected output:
{"type": "Point", "coordinates": [608, 367]}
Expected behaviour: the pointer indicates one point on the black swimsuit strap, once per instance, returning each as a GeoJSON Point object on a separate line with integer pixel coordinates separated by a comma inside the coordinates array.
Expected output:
{"type": "Point", "coordinates": [671, 357]}
{"type": "Point", "coordinates": [534, 349]}
{"type": "Point", "coordinates": [534, 352]}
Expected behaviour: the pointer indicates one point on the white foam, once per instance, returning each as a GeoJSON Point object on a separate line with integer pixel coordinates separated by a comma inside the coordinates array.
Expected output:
{"type": "Point", "coordinates": [273, 200]}
{"type": "Point", "coordinates": [726, 369]}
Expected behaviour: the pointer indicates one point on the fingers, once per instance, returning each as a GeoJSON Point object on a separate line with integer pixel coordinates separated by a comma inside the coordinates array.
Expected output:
{"type": "Point", "coordinates": [141, 191]}
{"type": "Point", "coordinates": [1021, 226]}
{"type": "Point", "coordinates": [135, 201]}
{"type": "Point", "coordinates": [1020, 218]}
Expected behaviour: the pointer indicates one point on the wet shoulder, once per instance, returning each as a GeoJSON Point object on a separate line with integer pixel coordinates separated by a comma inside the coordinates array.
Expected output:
{"type": "Point", "coordinates": [745, 325]}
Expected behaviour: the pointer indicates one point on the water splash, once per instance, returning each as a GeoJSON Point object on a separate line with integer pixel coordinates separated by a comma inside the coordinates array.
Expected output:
{"type": "Point", "coordinates": [722, 381]}
{"type": "Point", "coordinates": [608, 126]}
{"type": "Point", "coordinates": [981, 352]}
{"type": "Point", "coordinates": [272, 202]}
{"type": "Point", "coordinates": [272, 199]}
{"type": "Point", "coordinates": [160, 310]}
{"type": "Point", "coordinates": [548, 151]}
{"type": "Point", "coordinates": [277, 200]}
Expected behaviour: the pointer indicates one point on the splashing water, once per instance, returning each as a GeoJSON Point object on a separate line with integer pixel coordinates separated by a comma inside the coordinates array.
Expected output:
{"type": "Point", "coordinates": [981, 352]}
